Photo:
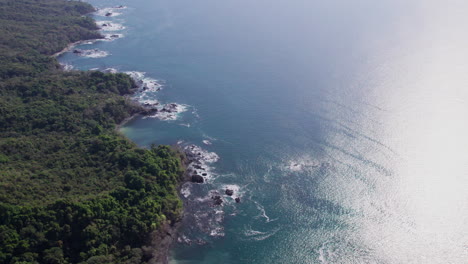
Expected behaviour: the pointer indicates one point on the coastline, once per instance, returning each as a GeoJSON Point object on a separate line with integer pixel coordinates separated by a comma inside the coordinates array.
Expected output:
{"type": "Point", "coordinates": [162, 239]}
{"type": "Point", "coordinates": [71, 46]}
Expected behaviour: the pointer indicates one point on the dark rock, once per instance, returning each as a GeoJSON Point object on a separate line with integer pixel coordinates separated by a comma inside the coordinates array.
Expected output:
{"type": "Point", "coordinates": [170, 108]}
{"type": "Point", "coordinates": [229, 192]}
{"type": "Point", "coordinates": [237, 199]}
{"type": "Point", "coordinates": [108, 14]}
{"type": "Point", "coordinates": [196, 166]}
{"type": "Point", "coordinates": [104, 25]}
{"type": "Point", "coordinates": [150, 111]}
{"type": "Point", "coordinates": [197, 178]}
{"type": "Point", "coordinates": [217, 200]}
{"type": "Point", "coordinates": [77, 51]}
{"type": "Point", "coordinates": [114, 36]}
{"type": "Point", "coordinates": [204, 174]}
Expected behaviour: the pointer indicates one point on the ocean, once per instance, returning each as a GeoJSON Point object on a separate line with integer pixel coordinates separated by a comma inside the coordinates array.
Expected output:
{"type": "Point", "coordinates": [340, 125]}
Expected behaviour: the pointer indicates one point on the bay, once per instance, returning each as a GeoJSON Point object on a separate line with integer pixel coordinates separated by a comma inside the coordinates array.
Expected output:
{"type": "Point", "coordinates": [341, 125]}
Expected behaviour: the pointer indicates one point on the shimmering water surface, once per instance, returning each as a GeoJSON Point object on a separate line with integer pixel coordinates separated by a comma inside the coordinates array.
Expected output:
{"type": "Point", "coordinates": [342, 125]}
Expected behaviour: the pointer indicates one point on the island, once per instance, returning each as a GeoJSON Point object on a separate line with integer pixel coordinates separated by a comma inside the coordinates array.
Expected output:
{"type": "Point", "coordinates": [72, 188]}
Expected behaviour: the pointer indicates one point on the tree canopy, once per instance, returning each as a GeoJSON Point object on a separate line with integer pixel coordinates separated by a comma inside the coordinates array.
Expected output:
{"type": "Point", "coordinates": [72, 189]}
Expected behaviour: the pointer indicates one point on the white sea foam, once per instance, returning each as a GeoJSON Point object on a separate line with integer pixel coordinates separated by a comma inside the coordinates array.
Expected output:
{"type": "Point", "coordinates": [207, 142]}
{"type": "Point", "coordinates": [202, 154]}
{"type": "Point", "coordinates": [205, 216]}
{"type": "Point", "coordinates": [112, 36]}
{"type": "Point", "coordinates": [324, 254]}
{"type": "Point", "coordinates": [301, 164]}
{"type": "Point", "coordinates": [258, 235]}
{"type": "Point", "coordinates": [108, 12]}
{"type": "Point", "coordinates": [236, 191]}
{"type": "Point", "coordinates": [66, 66]}
{"type": "Point", "coordinates": [263, 213]}
{"type": "Point", "coordinates": [109, 26]}
{"type": "Point", "coordinates": [144, 83]}
{"type": "Point", "coordinates": [146, 95]}
{"type": "Point", "coordinates": [110, 70]}
{"type": "Point", "coordinates": [186, 190]}
{"type": "Point", "coordinates": [136, 75]}
{"type": "Point", "coordinates": [149, 102]}
{"type": "Point", "coordinates": [92, 53]}
{"type": "Point", "coordinates": [217, 232]}
{"type": "Point", "coordinates": [200, 160]}
{"type": "Point", "coordinates": [172, 114]}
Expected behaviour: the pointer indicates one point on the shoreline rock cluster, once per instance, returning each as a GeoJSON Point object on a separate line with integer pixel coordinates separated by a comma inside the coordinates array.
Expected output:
{"type": "Point", "coordinates": [197, 170]}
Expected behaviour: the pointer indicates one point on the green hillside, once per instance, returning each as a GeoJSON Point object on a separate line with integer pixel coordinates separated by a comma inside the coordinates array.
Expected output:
{"type": "Point", "coordinates": [72, 189]}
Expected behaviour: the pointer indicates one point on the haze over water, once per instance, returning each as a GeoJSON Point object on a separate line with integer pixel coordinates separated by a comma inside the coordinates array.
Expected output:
{"type": "Point", "coordinates": [343, 124]}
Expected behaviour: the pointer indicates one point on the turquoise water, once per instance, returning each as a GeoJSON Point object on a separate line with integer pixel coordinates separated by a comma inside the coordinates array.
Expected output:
{"type": "Point", "coordinates": [341, 125]}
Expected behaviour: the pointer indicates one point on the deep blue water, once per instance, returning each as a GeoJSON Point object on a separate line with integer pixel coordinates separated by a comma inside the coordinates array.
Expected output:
{"type": "Point", "coordinates": [341, 123]}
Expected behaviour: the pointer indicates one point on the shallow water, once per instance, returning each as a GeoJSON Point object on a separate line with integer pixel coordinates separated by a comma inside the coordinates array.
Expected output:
{"type": "Point", "coordinates": [340, 125]}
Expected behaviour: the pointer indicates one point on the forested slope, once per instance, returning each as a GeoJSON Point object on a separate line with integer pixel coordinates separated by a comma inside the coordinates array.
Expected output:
{"type": "Point", "coordinates": [72, 190]}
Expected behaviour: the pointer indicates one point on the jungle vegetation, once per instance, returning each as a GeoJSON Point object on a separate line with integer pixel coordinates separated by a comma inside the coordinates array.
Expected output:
{"type": "Point", "coordinates": [72, 189]}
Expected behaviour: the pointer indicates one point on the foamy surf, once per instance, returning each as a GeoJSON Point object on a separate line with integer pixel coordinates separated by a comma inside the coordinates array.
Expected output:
{"type": "Point", "coordinates": [251, 234]}
{"type": "Point", "coordinates": [112, 37]}
{"type": "Point", "coordinates": [169, 112]}
{"type": "Point", "coordinates": [91, 53]}
{"type": "Point", "coordinates": [66, 66]}
{"type": "Point", "coordinates": [109, 26]}
{"type": "Point", "coordinates": [144, 83]}
{"type": "Point", "coordinates": [147, 88]}
{"type": "Point", "coordinates": [108, 12]}
{"type": "Point", "coordinates": [263, 213]}
{"type": "Point", "coordinates": [301, 164]}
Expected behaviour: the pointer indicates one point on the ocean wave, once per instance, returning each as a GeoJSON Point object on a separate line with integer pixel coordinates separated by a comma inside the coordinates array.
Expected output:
{"type": "Point", "coordinates": [259, 235]}
{"type": "Point", "coordinates": [263, 213]}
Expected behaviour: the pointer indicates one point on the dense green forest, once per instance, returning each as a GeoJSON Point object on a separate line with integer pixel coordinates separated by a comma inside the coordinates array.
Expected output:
{"type": "Point", "coordinates": [72, 189]}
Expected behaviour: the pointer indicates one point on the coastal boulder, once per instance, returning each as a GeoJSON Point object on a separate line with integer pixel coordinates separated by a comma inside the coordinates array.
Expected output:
{"type": "Point", "coordinates": [196, 166]}
{"type": "Point", "coordinates": [197, 178]}
{"type": "Point", "coordinates": [237, 199]}
{"type": "Point", "coordinates": [229, 192]}
{"type": "Point", "coordinates": [217, 200]}
{"type": "Point", "coordinates": [108, 14]}
{"type": "Point", "coordinates": [149, 111]}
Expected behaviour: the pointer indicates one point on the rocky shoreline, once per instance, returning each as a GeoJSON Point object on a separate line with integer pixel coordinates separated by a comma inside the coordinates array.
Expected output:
{"type": "Point", "coordinates": [162, 239]}
{"type": "Point", "coordinates": [194, 159]}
